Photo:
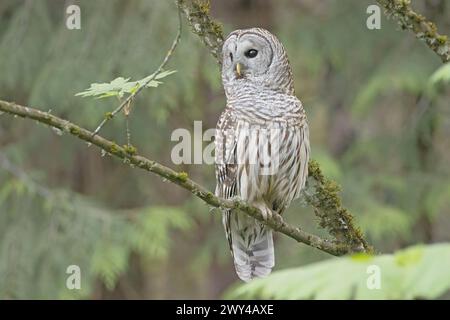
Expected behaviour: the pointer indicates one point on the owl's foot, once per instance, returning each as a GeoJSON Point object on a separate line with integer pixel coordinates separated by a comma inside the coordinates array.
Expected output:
{"type": "Point", "coordinates": [265, 211]}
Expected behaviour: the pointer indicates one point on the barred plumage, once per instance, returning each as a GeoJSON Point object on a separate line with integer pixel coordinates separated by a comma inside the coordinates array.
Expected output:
{"type": "Point", "coordinates": [262, 144]}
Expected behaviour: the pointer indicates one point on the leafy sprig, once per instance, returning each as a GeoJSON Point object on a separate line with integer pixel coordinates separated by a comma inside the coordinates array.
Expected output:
{"type": "Point", "coordinates": [121, 86]}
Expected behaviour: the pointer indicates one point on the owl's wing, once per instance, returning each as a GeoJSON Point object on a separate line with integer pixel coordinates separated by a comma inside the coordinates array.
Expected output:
{"type": "Point", "coordinates": [226, 166]}
{"type": "Point", "coordinates": [250, 242]}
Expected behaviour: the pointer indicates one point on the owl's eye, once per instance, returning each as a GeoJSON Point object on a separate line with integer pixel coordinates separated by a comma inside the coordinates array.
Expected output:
{"type": "Point", "coordinates": [251, 53]}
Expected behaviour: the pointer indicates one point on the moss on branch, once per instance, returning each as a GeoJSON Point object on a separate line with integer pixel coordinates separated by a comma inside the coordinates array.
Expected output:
{"type": "Point", "coordinates": [407, 18]}
{"type": "Point", "coordinates": [209, 30]}
{"type": "Point", "coordinates": [328, 208]}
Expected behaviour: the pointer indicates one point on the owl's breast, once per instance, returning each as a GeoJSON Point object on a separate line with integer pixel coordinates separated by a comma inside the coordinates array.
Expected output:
{"type": "Point", "coordinates": [260, 106]}
{"type": "Point", "coordinates": [271, 160]}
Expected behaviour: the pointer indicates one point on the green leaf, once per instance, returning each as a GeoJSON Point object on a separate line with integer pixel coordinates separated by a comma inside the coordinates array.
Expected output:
{"type": "Point", "coordinates": [164, 74]}
{"type": "Point", "coordinates": [415, 272]}
{"type": "Point", "coordinates": [121, 86]}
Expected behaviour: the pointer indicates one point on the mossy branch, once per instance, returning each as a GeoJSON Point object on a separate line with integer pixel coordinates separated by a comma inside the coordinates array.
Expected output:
{"type": "Point", "coordinates": [209, 30]}
{"type": "Point", "coordinates": [328, 207]}
{"type": "Point", "coordinates": [325, 200]}
{"type": "Point", "coordinates": [131, 157]}
{"type": "Point", "coordinates": [423, 29]}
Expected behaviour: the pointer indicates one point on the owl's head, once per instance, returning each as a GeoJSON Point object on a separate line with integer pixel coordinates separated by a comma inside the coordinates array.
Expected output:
{"type": "Point", "coordinates": [257, 56]}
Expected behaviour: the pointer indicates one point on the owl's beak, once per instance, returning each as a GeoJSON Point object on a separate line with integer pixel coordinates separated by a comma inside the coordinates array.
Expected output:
{"type": "Point", "coordinates": [238, 70]}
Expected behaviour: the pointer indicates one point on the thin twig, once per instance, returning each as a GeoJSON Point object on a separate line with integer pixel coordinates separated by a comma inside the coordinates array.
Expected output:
{"type": "Point", "coordinates": [130, 98]}
{"type": "Point", "coordinates": [128, 132]}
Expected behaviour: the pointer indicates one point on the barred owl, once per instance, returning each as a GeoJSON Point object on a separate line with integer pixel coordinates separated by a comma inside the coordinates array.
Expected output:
{"type": "Point", "coordinates": [262, 144]}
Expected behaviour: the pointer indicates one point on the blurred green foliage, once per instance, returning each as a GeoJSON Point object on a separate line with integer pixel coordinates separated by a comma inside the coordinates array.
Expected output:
{"type": "Point", "coordinates": [411, 273]}
{"type": "Point", "coordinates": [377, 104]}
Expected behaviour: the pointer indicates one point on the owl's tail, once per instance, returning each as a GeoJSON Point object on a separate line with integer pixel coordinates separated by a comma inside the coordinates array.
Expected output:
{"type": "Point", "coordinates": [251, 245]}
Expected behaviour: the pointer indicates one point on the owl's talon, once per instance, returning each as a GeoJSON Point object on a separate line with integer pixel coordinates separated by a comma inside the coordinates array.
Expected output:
{"type": "Point", "coordinates": [266, 213]}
